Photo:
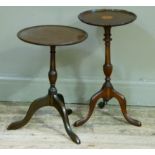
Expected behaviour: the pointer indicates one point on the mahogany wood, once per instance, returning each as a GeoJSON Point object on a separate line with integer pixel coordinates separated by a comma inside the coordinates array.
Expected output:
{"type": "Point", "coordinates": [48, 36]}
{"type": "Point", "coordinates": [107, 91]}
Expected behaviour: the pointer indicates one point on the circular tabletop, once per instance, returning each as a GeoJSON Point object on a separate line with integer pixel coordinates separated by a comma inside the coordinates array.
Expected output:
{"type": "Point", "coordinates": [106, 17]}
{"type": "Point", "coordinates": [52, 35]}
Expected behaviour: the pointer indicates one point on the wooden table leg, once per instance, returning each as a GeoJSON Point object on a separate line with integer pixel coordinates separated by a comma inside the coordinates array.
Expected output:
{"type": "Point", "coordinates": [37, 104]}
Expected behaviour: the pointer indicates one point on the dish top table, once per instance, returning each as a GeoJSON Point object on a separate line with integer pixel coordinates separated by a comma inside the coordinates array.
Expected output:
{"type": "Point", "coordinates": [107, 19]}
{"type": "Point", "coordinates": [51, 35]}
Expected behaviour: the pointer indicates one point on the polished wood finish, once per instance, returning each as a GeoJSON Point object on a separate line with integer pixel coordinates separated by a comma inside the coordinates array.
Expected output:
{"type": "Point", "coordinates": [107, 17]}
{"type": "Point", "coordinates": [52, 35]}
{"type": "Point", "coordinates": [53, 98]}
{"type": "Point", "coordinates": [107, 91]}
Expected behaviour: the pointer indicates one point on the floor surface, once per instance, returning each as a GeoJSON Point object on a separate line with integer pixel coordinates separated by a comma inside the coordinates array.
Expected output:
{"type": "Point", "coordinates": [106, 129]}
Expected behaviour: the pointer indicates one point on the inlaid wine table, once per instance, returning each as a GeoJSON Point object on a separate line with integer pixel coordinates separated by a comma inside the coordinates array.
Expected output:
{"type": "Point", "coordinates": [107, 19]}
{"type": "Point", "coordinates": [52, 36]}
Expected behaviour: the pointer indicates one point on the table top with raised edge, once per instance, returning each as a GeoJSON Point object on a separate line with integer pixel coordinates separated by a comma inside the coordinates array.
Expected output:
{"type": "Point", "coordinates": [52, 35]}
{"type": "Point", "coordinates": [107, 17]}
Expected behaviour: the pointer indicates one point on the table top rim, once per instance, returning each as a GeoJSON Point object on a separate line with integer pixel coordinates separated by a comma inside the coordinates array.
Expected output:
{"type": "Point", "coordinates": [99, 10]}
{"type": "Point", "coordinates": [52, 25]}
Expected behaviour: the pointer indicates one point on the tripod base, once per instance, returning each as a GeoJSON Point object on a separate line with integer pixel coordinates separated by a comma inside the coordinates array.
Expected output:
{"type": "Point", "coordinates": [107, 93]}
{"type": "Point", "coordinates": [56, 101]}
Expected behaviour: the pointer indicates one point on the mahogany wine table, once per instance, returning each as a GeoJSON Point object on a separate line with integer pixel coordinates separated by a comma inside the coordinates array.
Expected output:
{"type": "Point", "coordinates": [52, 36]}
{"type": "Point", "coordinates": [107, 19]}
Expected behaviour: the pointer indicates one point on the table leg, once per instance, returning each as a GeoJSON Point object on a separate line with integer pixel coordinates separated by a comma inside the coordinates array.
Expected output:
{"type": "Point", "coordinates": [122, 101]}
{"type": "Point", "coordinates": [92, 105]}
{"type": "Point", "coordinates": [60, 106]}
{"type": "Point", "coordinates": [37, 104]}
